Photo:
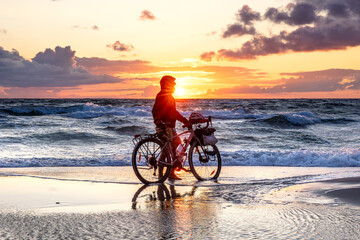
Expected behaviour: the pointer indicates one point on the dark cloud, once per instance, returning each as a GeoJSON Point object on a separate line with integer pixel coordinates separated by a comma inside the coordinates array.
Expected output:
{"type": "Point", "coordinates": [299, 14]}
{"type": "Point", "coordinates": [10, 56]}
{"type": "Point", "coordinates": [47, 69]}
{"type": "Point", "coordinates": [121, 47]}
{"type": "Point", "coordinates": [207, 56]}
{"type": "Point", "coordinates": [335, 25]}
{"type": "Point", "coordinates": [258, 46]}
{"type": "Point", "coordinates": [244, 26]}
{"type": "Point", "coordinates": [317, 81]}
{"type": "Point", "coordinates": [63, 57]}
{"type": "Point", "coordinates": [338, 10]}
{"type": "Point", "coordinates": [238, 30]}
{"type": "Point", "coordinates": [147, 15]}
{"type": "Point", "coordinates": [246, 15]}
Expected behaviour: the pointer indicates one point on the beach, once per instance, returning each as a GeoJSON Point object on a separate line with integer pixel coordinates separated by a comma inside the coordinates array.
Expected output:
{"type": "Point", "coordinates": [290, 170]}
{"type": "Point", "coordinates": [245, 203]}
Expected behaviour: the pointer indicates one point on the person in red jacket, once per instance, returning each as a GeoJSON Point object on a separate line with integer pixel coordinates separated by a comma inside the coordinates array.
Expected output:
{"type": "Point", "coordinates": [165, 114]}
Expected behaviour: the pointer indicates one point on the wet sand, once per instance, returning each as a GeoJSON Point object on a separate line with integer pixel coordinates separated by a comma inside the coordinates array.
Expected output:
{"type": "Point", "coordinates": [110, 203]}
{"type": "Point", "coordinates": [348, 194]}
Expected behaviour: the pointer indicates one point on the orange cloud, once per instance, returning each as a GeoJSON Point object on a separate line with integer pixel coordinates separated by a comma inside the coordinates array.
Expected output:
{"type": "Point", "coordinates": [147, 15]}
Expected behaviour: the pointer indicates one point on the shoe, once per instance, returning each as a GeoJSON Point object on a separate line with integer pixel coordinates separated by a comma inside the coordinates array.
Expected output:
{"type": "Point", "coordinates": [172, 176]}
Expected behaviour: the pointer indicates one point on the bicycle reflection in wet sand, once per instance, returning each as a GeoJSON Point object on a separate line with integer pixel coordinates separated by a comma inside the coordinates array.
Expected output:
{"type": "Point", "coordinates": [158, 196]}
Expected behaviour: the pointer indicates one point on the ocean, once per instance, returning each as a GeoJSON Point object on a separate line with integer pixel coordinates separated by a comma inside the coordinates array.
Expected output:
{"type": "Point", "coordinates": [262, 132]}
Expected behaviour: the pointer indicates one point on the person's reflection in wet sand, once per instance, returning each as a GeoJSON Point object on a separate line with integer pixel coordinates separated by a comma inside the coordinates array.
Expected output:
{"type": "Point", "coordinates": [179, 213]}
{"type": "Point", "coordinates": [157, 196]}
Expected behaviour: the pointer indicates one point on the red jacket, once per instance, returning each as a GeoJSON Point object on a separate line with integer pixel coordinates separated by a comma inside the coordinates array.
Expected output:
{"type": "Point", "coordinates": [164, 110]}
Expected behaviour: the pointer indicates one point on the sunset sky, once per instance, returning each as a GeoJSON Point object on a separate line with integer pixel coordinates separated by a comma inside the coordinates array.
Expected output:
{"type": "Point", "coordinates": [215, 49]}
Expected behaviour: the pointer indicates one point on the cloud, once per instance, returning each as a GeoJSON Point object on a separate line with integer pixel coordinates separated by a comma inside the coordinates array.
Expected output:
{"type": "Point", "coordinates": [145, 71]}
{"type": "Point", "coordinates": [3, 31]}
{"type": "Point", "coordinates": [320, 25]}
{"type": "Point", "coordinates": [298, 14]}
{"type": "Point", "coordinates": [63, 57]}
{"type": "Point", "coordinates": [246, 15]}
{"type": "Point", "coordinates": [258, 46]}
{"type": "Point", "coordinates": [150, 91]}
{"type": "Point", "coordinates": [211, 33]}
{"type": "Point", "coordinates": [325, 81]}
{"type": "Point", "coordinates": [30, 92]}
{"type": "Point", "coordinates": [51, 68]}
{"type": "Point", "coordinates": [121, 47]}
{"type": "Point", "coordinates": [238, 30]}
{"type": "Point", "coordinates": [207, 56]}
{"type": "Point", "coordinates": [147, 15]}
{"type": "Point", "coordinates": [329, 80]}
{"type": "Point", "coordinates": [104, 66]}
{"type": "Point", "coordinates": [10, 56]}
{"type": "Point", "coordinates": [94, 27]}
{"type": "Point", "coordinates": [336, 8]}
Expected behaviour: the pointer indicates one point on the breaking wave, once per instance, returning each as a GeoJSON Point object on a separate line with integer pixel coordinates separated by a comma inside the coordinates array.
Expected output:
{"type": "Point", "coordinates": [91, 110]}
{"type": "Point", "coordinates": [307, 158]}
{"type": "Point", "coordinates": [343, 158]}
{"type": "Point", "coordinates": [88, 110]}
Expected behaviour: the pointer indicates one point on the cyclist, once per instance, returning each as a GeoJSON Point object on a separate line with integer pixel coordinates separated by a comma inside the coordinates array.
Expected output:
{"type": "Point", "coordinates": [165, 115]}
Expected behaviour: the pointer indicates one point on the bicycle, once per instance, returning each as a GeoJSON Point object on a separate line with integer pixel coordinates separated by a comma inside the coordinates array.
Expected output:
{"type": "Point", "coordinates": [153, 156]}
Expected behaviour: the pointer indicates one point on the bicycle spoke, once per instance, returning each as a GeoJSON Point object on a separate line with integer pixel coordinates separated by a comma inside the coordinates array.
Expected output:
{"type": "Point", "coordinates": [147, 163]}
{"type": "Point", "coordinates": [205, 162]}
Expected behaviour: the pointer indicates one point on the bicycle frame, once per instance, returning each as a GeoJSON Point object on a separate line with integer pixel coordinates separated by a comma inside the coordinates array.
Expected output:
{"type": "Point", "coordinates": [172, 153]}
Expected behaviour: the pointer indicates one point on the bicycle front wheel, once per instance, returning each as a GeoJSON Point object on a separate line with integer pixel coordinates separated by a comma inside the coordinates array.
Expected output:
{"type": "Point", "coordinates": [151, 161]}
{"type": "Point", "coordinates": [204, 161]}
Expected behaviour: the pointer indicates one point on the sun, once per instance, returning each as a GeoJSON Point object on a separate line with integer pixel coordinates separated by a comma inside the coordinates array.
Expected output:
{"type": "Point", "coordinates": [179, 91]}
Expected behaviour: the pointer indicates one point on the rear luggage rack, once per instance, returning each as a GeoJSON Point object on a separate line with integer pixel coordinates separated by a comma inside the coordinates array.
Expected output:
{"type": "Point", "coordinates": [137, 138]}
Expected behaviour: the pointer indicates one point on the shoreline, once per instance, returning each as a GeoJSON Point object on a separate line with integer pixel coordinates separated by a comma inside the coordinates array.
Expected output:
{"type": "Point", "coordinates": [109, 203]}
{"type": "Point", "coordinates": [122, 179]}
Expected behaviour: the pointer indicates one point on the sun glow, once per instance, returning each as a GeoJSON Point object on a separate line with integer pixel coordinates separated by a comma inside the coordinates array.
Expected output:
{"type": "Point", "coordinates": [179, 91]}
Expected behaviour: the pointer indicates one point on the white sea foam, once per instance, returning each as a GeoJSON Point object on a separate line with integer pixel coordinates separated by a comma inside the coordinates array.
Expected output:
{"type": "Point", "coordinates": [91, 110]}
{"type": "Point", "coordinates": [307, 158]}
{"type": "Point", "coordinates": [343, 158]}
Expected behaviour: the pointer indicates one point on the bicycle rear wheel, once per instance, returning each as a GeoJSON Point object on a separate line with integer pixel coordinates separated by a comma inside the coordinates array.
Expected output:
{"type": "Point", "coordinates": [151, 163]}
{"type": "Point", "coordinates": [204, 161]}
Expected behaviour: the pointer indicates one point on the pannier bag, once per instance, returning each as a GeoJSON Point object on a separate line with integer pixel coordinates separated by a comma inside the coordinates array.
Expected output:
{"type": "Point", "coordinates": [209, 136]}
{"type": "Point", "coordinates": [206, 136]}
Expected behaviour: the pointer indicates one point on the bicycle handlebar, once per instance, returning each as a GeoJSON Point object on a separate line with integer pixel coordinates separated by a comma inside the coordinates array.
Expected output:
{"type": "Point", "coordinates": [207, 121]}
